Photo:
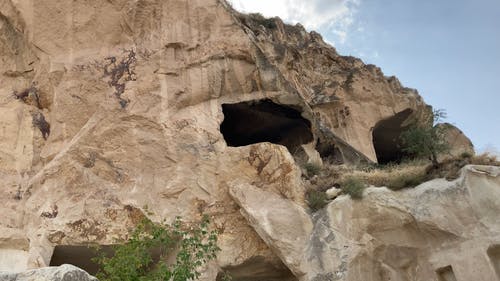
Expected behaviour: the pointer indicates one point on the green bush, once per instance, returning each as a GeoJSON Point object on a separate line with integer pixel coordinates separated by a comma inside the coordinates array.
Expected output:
{"type": "Point", "coordinates": [316, 200]}
{"type": "Point", "coordinates": [426, 141]}
{"type": "Point", "coordinates": [354, 187]}
{"type": "Point", "coordinates": [133, 260]}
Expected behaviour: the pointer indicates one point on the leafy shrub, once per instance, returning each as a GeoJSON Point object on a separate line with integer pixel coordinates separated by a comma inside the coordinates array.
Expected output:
{"type": "Point", "coordinates": [316, 200]}
{"type": "Point", "coordinates": [426, 141]}
{"type": "Point", "coordinates": [354, 187]}
{"type": "Point", "coordinates": [133, 260]}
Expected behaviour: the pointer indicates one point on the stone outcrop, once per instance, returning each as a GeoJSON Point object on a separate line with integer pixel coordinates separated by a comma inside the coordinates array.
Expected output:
{"type": "Point", "coordinates": [273, 218]}
{"type": "Point", "coordinates": [459, 143]}
{"type": "Point", "coordinates": [438, 228]}
{"type": "Point", "coordinates": [65, 272]}
{"type": "Point", "coordinates": [112, 108]}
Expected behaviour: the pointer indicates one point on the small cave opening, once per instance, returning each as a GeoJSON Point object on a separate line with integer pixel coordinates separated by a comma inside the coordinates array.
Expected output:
{"type": "Point", "coordinates": [257, 269]}
{"type": "Point", "coordinates": [387, 138]}
{"type": "Point", "coordinates": [253, 122]}
{"type": "Point", "coordinates": [494, 255]}
{"type": "Point", "coordinates": [79, 256]}
{"type": "Point", "coordinates": [446, 274]}
{"type": "Point", "coordinates": [82, 256]}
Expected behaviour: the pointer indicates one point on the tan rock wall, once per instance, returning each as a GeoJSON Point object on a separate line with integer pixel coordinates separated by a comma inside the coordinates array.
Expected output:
{"type": "Point", "coordinates": [109, 108]}
{"type": "Point", "coordinates": [407, 235]}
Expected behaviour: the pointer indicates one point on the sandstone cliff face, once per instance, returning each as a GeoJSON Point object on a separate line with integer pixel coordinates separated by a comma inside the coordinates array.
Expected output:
{"type": "Point", "coordinates": [347, 97]}
{"type": "Point", "coordinates": [111, 107]}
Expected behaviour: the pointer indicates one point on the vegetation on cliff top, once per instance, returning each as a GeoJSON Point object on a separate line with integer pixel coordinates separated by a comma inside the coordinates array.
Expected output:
{"type": "Point", "coordinates": [423, 145]}
{"type": "Point", "coordinates": [410, 173]}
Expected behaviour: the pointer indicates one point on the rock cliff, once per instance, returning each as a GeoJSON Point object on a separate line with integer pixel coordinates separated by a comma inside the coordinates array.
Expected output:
{"type": "Point", "coordinates": [184, 108]}
{"type": "Point", "coordinates": [440, 228]}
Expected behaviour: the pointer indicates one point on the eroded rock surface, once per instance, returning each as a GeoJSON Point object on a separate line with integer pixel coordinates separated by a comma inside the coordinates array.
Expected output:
{"type": "Point", "coordinates": [459, 143]}
{"type": "Point", "coordinates": [109, 108]}
{"type": "Point", "coordinates": [65, 272]}
{"type": "Point", "coordinates": [439, 227]}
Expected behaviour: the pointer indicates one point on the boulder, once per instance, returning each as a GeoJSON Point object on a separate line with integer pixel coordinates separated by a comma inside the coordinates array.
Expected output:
{"type": "Point", "coordinates": [333, 193]}
{"type": "Point", "coordinates": [64, 272]}
{"type": "Point", "coordinates": [274, 219]}
{"type": "Point", "coordinates": [459, 143]}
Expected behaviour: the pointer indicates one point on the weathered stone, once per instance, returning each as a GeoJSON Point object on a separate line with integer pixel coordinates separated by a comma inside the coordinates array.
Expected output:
{"type": "Point", "coordinates": [273, 218]}
{"type": "Point", "coordinates": [64, 272]}
{"type": "Point", "coordinates": [333, 192]}
{"type": "Point", "coordinates": [408, 235]}
{"type": "Point", "coordinates": [14, 249]}
{"type": "Point", "coordinates": [459, 143]}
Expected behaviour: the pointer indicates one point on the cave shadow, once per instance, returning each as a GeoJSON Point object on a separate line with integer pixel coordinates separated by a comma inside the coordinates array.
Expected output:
{"type": "Point", "coordinates": [387, 138]}
{"type": "Point", "coordinates": [259, 121]}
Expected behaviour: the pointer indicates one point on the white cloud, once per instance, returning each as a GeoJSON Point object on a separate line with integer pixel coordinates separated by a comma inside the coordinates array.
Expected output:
{"type": "Point", "coordinates": [341, 34]}
{"type": "Point", "coordinates": [332, 16]}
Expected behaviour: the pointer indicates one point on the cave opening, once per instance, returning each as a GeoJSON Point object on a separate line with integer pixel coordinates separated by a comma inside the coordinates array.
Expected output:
{"type": "Point", "coordinates": [330, 153]}
{"type": "Point", "coordinates": [82, 256]}
{"type": "Point", "coordinates": [79, 256]}
{"type": "Point", "coordinates": [494, 255]}
{"type": "Point", "coordinates": [253, 122]}
{"type": "Point", "coordinates": [446, 274]}
{"type": "Point", "coordinates": [387, 138]}
{"type": "Point", "coordinates": [256, 269]}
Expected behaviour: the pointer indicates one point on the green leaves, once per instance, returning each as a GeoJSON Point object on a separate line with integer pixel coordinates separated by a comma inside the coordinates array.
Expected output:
{"type": "Point", "coordinates": [134, 261]}
{"type": "Point", "coordinates": [426, 141]}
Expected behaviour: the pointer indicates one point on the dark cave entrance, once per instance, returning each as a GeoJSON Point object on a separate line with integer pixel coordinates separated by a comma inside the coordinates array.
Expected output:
{"type": "Point", "coordinates": [80, 256]}
{"type": "Point", "coordinates": [257, 269]}
{"type": "Point", "coordinates": [252, 122]}
{"type": "Point", "coordinates": [494, 255]}
{"type": "Point", "coordinates": [387, 138]}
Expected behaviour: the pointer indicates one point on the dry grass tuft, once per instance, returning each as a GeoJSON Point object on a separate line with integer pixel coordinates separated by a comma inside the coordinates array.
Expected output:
{"type": "Point", "coordinates": [312, 169]}
{"type": "Point", "coordinates": [316, 200]}
{"type": "Point", "coordinates": [450, 169]}
{"type": "Point", "coordinates": [485, 159]}
{"type": "Point", "coordinates": [354, 186]}
{"type": "Point", "coordinates": [395, 178]}
{"type": "Point", "coordinates": [353, 179]}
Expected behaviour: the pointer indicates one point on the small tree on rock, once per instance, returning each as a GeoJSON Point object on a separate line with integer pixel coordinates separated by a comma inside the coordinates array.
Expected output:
{"type": "Point", "coordinates": [422, 141]}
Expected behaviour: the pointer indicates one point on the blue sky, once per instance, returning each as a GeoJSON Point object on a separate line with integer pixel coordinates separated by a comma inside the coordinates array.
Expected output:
{"type": "Point", "coordinates": [448, 50]}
